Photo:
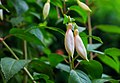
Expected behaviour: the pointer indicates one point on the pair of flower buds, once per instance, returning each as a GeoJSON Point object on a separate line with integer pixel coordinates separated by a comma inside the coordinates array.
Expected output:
{"type": "Point", "coordinates": [73, 42]}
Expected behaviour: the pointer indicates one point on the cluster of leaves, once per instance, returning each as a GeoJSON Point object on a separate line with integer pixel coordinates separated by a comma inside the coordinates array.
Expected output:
{"type": "Point", "coordinates": [45, 38]}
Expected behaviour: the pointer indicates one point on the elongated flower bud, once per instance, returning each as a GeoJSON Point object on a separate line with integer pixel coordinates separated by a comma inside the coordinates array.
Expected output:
{"type": "Point", "coordinates": [1, 12]}
{"type": "Point", "coordinates": [83, 6]}
{"type": "Point", "coordinates": [80, 48]}
{"type": "Point", "coordinates": [69, 40]}
{"type": "Point", "coordinates": [46, 9]}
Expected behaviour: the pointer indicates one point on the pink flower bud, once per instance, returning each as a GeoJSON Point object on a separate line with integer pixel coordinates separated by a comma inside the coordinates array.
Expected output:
{"type": "Point", "coordinates": [80, 48]}
{"type": "Point", "coordinates": [83, 6]}
{"type": "Point", "coordinates": [69, 40]}
{"type": "Point", "coordinates": [46, 9]}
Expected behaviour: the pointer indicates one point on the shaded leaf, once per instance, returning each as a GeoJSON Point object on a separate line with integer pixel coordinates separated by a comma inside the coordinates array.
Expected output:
{"type": "Point", "coordinates": [55, 59]}
{"type": "Point", "coordinates": [38, 76]}
{"type": "Point", "coordinates": [3, 7]}
{"type": "Point", "coordinates": [16, 21]}
{"type": "Point", "coordinates": [56, 29]}
{"type": "Point", "coordinates": [109, 28]}
{"type": "Point", "coordinates": [20, 6]}
{"type": "Point", "coordinates": [113, 51]}
{"type": "Point", "coordinates": [57, 3]}
{"type": "Point", "coordinates": [93, 68]}
{"type": "Point", "coordinates": [77, 76]}
{"type": "Point", "coordinates": [63, 67]}
{"type": "Point", "coordinates": [80, 11]}
{"type": "Point", "coordinates": [96, 38]}
{"type": "Point", "coordinates": [11, 66]}
{"type": "Point", "coordinates": [41, 67]}
{"type": "Point", "coordinates": [105, 80]}
{"type": "Point", "coordinates": [22, 34]}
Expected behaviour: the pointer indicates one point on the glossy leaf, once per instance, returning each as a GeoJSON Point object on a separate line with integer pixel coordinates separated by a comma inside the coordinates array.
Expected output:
{"type": "Point", "coordinates": [110, 62]}
{"type": "Point", "coordinates": [23, 34]}
{"type": "Point", "coordinates": [20, 6]}
{"type": "Point", "coordinates": [38, 76]}
{"type": "Point", "coordinates": [105, 80]}
{"type": "Point", "coordinates": [57, 3]}
{"type": "Point", "coordinates": [109, 28]}
{"type": "Point", "coordinates": [80, 11]}
{"type": "Point", "coordinates": [10, 66]}
{"type": "Point", "coordinates": [42, 67]}
{"type": "Point", "coordinates": [113, 51]}
{"type": "Point", "coordinates": [77, 76]}
{"type": "Point", "coordinates": [56, 29]}
{"type": "Point", "coordinates": [63, 67]}
{"type": "Point", "coordinates": [93, 68]}
{"type": "Point", "coordinates": [55, 59]}
{"type": "Point", "coordinates": [96, 38]}
{"type": "Point", "coordinates": [93, 46]}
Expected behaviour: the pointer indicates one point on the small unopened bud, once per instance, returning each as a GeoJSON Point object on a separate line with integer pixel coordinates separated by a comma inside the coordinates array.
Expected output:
{"type": "Point", "coordinates": [83, 6]}
{"type": "Point", "coordinates": [46, 9]}
{"type": "Point", "coordinates": [69, 40]}
{"type": "Point", "coordinates": [80, 48]}
{"type": "Point", "coordinates": [1, 12]}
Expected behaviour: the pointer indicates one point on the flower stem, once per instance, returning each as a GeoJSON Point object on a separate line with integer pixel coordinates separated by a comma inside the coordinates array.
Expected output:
{"type": "Point", "coordinates": [18, 59]}
{"type": "Point", "coordinates": [70, 62]}
{"type": "Point", "coordinates": [26, 57]}
{"type": "Point", "coordinates": [89, 31]}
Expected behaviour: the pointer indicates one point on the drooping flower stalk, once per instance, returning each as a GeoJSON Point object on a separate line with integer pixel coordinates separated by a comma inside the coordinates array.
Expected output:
{"type": "Point", "coordinates": [80, 48]}
{"type": "Point", "coordinates": [69, 40]}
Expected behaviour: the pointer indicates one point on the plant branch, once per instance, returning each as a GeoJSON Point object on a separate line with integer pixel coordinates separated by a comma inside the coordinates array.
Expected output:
{"type": "Point", "coordinates": [18, 59]}
{"type": "Point", "coordinates": [89, 31]}
{"type": "Point", "coordinates": [26, 57]}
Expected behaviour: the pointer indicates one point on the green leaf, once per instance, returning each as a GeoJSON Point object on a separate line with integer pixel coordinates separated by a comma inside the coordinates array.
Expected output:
{"type": "Point", "coordinates": [55, 59]}
{"type": "Point", "coordinates": [16, 21]}
{"type": "Point", "coordinates": [80, 11]}
{"type": "Point", "coordinates": [40, 66]}
{"type": "Point", "coordinates": [25, 35]}
{"type": "Point", "coordinates": [20, 6]}
{"type": "Point", "coordinates": [3, 7]}
{"type": "Point", "coordinates": [109, 28]}
{"type": "Point", "coordinates": [38, 76]}
{"type": "Point", "coordinates": [35, 14]}
{"type": "Point", "coordinates": [96, 38]}
{"type": "Point", "coordinates": [57, 3]}
{"type": "Point", "coordinates": [56, 29]}
{"type": "Point", "coordinates": [105, 80]}
{"type": "Point", "coordinates": [112, 51]}
{"type": "Point", "coordinates": [93, 68]}
{"type": "Point", "coordinates": [11, 66]}
{"type": "Point", "coordinates": [93, 46]}
{"type": "Point", "coordinates": [63, 67]}
{"type": "Point", "coordinates": [77, 76]}
{"type": "Point", "coordinates": [65, 20]}
{"type": "Point", "coordinates": [95, 51]}
{"type": "Point", "coordinates": [110, 62]}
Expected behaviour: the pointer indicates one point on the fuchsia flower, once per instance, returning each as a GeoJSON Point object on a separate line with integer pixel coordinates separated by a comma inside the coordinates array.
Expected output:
{"type": "Point", "coordinates": [69, 40]}
{"type": "Point", "coordinates": [80, 48]}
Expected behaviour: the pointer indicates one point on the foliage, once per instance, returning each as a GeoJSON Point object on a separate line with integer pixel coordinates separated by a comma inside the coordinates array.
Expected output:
{"type": "Point", "coordinates": [32, 42]}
